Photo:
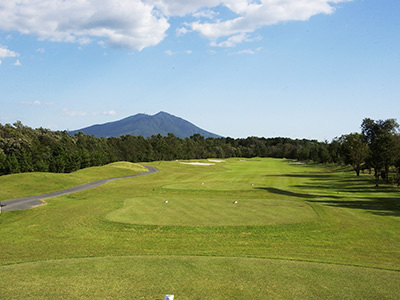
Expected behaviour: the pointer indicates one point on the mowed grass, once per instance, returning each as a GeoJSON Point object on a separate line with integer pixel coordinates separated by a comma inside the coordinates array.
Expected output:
{"type": "Point", "coordinates": [194, 278]}
{"type": "Point", "coordinates": [200, 199]}
{"type": "Point", "coordinates": [211, 212]}
{"type": "Point", "coordinates": [296, 232]}
{"type": "Point", "coordinates": [35, 183]}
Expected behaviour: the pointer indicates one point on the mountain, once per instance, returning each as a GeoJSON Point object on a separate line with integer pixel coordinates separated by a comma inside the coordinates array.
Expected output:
{"type": "Point", "coordinates": [146, 125]}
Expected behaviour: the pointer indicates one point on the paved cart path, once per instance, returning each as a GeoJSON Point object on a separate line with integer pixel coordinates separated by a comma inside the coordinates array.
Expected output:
{"type": "Point", "coordinates": [32, 201]}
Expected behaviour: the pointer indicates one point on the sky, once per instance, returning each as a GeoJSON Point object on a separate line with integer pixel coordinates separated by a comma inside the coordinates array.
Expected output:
{"type": "Point", "coordinates": [289, 68]}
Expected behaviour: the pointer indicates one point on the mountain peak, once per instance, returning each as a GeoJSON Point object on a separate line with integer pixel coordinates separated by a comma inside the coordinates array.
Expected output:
{"type": "Point", "coordinates": [147, 125]}
{"type": "Point", "coordinates": [162, 113]}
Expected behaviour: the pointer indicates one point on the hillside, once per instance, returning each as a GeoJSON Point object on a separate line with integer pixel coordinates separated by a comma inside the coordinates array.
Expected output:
{"type": "Point", "coordinates": [146, 125]}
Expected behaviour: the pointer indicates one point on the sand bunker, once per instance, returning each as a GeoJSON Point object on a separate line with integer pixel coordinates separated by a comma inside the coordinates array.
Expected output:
{"type": "Point", "coordinates": [197, 163]}
{"type": "Point", "coordinates": [216, 160]}
{"type": "Point", "coordinates": [297, 163]}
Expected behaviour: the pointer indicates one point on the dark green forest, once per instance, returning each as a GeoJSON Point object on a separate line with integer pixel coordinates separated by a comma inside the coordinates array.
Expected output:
{"type": "Point", "coordinates": [23, 149]}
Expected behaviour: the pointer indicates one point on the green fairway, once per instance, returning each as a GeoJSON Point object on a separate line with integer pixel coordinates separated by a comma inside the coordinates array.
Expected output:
{"type": "Point", "coordinates": [296, 231]}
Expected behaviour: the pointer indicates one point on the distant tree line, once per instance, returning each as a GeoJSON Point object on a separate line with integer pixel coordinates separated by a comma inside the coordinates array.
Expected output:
{"type": "Point", "coordinates": [23, 149]}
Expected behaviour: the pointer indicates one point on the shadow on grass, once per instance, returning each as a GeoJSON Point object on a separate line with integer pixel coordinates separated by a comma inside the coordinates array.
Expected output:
{"type": "Point", "coordinates": [285, 193]}
{"type": "Point", "coordinates": [309, 176]}
{"type": "Point", "coordinates": [355, 192]}
{"type": "Point", "coordinates": [349, 189]}
{"type": "Point", "coordinates": [375, 205]}
{"type": "Point", "coordinates": [294, 194]}
{"type": "Point", "coordinates": [378, 206]}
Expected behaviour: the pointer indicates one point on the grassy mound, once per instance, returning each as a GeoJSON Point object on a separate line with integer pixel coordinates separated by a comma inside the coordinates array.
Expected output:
{"type": "Point", "coordinates": [35, 183]}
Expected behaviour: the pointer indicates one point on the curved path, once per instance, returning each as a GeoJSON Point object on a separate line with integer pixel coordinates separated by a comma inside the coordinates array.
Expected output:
{"type": "Point", "coordinates": [32, 201]}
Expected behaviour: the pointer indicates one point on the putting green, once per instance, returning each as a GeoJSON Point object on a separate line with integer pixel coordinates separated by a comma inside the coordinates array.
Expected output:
{"type": "Point", "coordinates": [211, 212]}
{"type": "Point", "coordinates": [151, 277]}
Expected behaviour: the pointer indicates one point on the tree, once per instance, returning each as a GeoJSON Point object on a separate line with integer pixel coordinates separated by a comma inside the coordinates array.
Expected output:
{"type": "Point", "coordinates": [159, 146]}
{"type": "Point", "coordinates": [354, 150]}
{"type": "Point", "coordinates": [335, 151]}
{"type": "Point", "coordinates": [11, 164]}
{"type": "Point", "coordinates": [3, 159]}
{"type": "Point", "coordinates": [397, 157]}
{"type": "Point", "coordinates": [303, 154]}
{"type": "Point", "coordinates": [379, 135]}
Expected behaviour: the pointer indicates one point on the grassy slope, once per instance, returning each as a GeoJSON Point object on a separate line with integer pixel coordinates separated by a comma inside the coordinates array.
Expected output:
{"type": "Point", "coordinates": [351, 225]}
{"type": "Point", "coordinates": [35, 183]}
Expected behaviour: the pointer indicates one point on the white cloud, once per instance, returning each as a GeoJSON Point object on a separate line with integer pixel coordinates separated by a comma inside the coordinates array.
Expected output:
{"type": "Point", "coordinates": [110, 113]}
{"type": "Point", "coordinates": [251, 16]}
{"type": "Point", "coordinates": [180, 8]}
{"type": "Point", "coordinates": [137, 24]}
{"type": "Point", "coordinates": [133, 24]}
{"type": "Point", "coordinates": [232, 40]}
{"type": "Point", "coordinates": [208, 13]}
{"type": "Point", "coordinates": [182, 31]}
{"type": "Point", "coordinates": [73, 113]}
{"type": "Point", "coordinates": [246, 51]}
{"type": "Point", "coordinates": [169, 52]}
{"type": "Point", "coordinates": [40, 50]}
{"type": "Point", "coordinates": [77, 113]}
{"type": "Point", "coordinates": [17, 63]}
{"type": "Point", "coordinates": [37, 103]}
{"type": "Point", "coordinates": [5, 52]}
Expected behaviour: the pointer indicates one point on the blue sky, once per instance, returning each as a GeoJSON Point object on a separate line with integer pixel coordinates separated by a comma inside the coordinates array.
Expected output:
{"type": "Point", "coordinates": [291, 68]}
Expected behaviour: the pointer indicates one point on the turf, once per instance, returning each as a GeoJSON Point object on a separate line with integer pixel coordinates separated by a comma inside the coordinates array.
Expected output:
{"type": "Point", "coordinates": [303, 231]}
{"type": "Point", "coordinates": [35, 183]}
{"type": "Point", "coordinates": [211, 212]}
{"type": "Point", "coordinates": [195, 278]}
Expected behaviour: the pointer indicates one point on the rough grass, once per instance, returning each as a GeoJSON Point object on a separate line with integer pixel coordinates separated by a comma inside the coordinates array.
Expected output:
{"type": "Point", "coordinates": [35, 183]}
{"type": "Point", "coordinates": [112, 241]}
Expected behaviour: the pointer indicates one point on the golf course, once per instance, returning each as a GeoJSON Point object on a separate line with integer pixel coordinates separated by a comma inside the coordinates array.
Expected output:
{"type": "Point", "coordinates": [259, 228]}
